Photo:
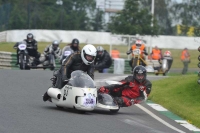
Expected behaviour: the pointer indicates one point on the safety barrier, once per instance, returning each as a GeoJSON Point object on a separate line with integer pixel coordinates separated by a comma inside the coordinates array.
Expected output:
{"type": "Point", "coordinates": [3, 36]}
{"type": "Point", "coordinates": [128, 69]}
{"type": "Point", "coordinates": [8, 61]}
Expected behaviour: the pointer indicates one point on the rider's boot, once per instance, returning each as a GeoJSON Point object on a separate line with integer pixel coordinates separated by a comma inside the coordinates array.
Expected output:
{"type": "Point", "coordinates": [46, 96]}
{"type": "Point", "coordinates": [53, 81]}
{"type": "Point", "coordinates": [37, 61]}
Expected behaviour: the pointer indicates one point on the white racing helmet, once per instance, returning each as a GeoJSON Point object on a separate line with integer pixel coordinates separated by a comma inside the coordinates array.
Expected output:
{"type": "Point", "coordinates": [88, 54]}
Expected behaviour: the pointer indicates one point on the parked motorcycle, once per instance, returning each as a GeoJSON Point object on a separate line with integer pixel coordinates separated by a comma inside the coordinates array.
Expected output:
{"type": "Point", "coordinates": [80, 93]}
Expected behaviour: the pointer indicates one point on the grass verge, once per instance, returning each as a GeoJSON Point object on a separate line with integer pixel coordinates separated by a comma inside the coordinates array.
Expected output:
{"type": "Point", "coordinates": [180, 95]}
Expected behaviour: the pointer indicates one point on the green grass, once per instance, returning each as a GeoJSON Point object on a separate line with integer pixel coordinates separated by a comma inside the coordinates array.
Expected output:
{"type": "Point", "coordinates": [7, 46]}
{"type": "Point", "coordinates": [180, 95]}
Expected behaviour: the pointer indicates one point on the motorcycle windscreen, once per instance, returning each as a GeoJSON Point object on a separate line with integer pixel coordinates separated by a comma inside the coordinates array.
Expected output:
{"type": "Point", "coordinates": [81, 79]}
{"type": "Point", "coordinates": [106, 99]}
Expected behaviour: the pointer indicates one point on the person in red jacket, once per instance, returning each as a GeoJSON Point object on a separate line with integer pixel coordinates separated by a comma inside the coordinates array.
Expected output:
{"type": "Point", "coordinates": [133, 90]}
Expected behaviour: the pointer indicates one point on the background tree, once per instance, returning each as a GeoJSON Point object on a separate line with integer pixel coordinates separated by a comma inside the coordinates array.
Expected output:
{"type": "Point", "coordinates": [133, 20]}
{"type": "Point", "coordinates": [34, 14]}
{"type": "Point", "coordinates": [161, 13]}
{"type": "Point", "coordinates": [187, 15]}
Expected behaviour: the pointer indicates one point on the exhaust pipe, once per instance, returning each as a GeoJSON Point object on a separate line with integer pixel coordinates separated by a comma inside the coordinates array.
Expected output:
{"type": "Point", "coordinates": [54, 93]}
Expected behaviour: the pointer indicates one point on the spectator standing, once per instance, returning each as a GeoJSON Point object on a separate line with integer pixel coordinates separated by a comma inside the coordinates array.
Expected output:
{"type": "Point", "coordinates": [115, 53]}
{"type": "Point", "coordinates": [185, 58]}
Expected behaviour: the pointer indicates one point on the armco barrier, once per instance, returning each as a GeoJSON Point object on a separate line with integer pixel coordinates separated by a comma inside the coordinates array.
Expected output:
{"type": "Point", "coordinates": [8, 61]}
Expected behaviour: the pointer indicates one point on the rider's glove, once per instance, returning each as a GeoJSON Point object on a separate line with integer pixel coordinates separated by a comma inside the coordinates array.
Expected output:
{"type": "Point", "coordinates": [64, 79]}
{"type": "Point", "coordinates": [52, 52]}
{"type": "Point", "coordinates": [128, 52]}
{"type": "Point", "coordinates": [30, 47]}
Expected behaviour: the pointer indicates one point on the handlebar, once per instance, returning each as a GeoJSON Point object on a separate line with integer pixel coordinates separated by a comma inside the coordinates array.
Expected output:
{"type": "Point", "coordinates": [29, 47]}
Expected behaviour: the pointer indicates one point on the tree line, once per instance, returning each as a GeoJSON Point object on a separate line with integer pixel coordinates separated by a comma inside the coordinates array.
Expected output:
{"type": "Point", "coordinates": [135, 18]}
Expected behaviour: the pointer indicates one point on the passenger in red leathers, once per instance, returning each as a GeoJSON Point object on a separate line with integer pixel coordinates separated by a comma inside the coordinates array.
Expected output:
{"type": "Point", "coordinates": [134, 89]}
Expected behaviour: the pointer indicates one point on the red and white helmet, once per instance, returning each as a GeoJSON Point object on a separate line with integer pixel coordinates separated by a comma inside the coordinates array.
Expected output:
{"type": "Point", "coordinates": [167, 53]}
{"type": "Point", "coordinates": [138, 43]}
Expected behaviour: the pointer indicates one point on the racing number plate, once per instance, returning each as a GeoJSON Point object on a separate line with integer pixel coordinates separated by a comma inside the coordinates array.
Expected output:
{"type": "Point", "coordinates": [22, 46]}
{"type": "Point", "coordinates": [136, 52]}
{"type": "Point", "coordinates": [89, 100]}
{"type": "Point", "coordinates": [67, 53]}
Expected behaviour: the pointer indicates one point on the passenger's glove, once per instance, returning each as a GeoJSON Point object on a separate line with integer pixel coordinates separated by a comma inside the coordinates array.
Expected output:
{"type": "Point", "coordinates": [135, 101]}
{"type": "Point", "coordinates": [127, 83]}
{"type": "Point", "coordinates": [102, 89]}
{"type": "Point", "coordinates": [139, 99]}
{"type": "Point", "coordinates": [145, 95]}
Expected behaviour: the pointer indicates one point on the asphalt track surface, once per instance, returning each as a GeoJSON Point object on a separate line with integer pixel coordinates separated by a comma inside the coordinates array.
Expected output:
{"type": "Point", "coordinates": [23, 111]}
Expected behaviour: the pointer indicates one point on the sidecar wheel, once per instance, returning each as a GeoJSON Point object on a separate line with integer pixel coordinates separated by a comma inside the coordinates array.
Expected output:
{"type": "Point", "coordinates": [114, 110]}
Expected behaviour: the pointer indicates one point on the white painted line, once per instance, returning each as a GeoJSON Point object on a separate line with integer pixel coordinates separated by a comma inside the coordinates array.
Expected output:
{"type": "Point", "coordinates": [187, 125]}
{"type": "Point", "coordinates": [157, 107]}
{"type": "Point", "coordinates": [158, 119]}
